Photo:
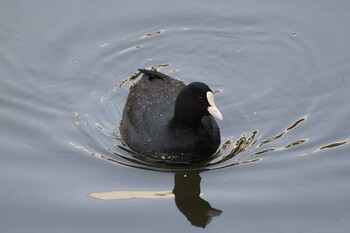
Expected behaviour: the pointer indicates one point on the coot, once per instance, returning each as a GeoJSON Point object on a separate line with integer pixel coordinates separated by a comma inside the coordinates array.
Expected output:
{"type": "Point", "coordinates": [166, 120]}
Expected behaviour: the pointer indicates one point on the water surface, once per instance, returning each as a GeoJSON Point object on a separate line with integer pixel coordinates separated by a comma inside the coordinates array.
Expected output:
{"type": "Point", "coordinates": [282, 75]}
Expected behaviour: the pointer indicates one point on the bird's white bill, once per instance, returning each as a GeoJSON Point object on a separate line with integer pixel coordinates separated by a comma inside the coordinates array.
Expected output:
{"type": "Point", "coordinates": [212, 109]}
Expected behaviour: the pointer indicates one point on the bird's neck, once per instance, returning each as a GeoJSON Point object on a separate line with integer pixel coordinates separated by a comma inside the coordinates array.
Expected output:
{"type": "Point", "coordinates": [185, 121]}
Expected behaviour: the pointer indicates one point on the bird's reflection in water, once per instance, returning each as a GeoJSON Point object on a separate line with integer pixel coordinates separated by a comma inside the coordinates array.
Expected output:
{"type": "Point", "coordinates": [187, 193]}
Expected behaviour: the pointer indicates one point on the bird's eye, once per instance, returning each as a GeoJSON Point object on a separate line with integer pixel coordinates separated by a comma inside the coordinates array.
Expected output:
{"type": "Point", "coordinates": [200, 98]}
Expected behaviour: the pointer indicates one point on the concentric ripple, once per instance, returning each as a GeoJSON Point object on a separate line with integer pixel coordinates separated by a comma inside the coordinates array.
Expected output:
{"type": "Point", "coordinates": [269, 106]}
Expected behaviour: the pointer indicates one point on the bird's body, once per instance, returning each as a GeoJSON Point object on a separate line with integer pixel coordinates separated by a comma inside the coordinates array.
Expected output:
{"type": "Point", "coordinates": [159, 125]}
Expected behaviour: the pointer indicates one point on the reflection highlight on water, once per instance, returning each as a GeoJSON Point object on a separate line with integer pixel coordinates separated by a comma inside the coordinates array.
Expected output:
{"type": "Point", "coordinates": [295, 124]}
{"type": "Point", "coordinates": [130, 49]}
{"type": "Point", "coordinates": [151, 34]}
{"type": "Point", "coordinates": [332, 145]}
{"type": "Point", "coordinates": [118, 195]}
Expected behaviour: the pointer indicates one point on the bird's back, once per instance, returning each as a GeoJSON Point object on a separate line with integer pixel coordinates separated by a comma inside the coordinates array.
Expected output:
{"type": "Point", "coordinates": [149, 108]}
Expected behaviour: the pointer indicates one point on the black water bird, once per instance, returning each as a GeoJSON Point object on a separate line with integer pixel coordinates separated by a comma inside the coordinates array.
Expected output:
{"type": "Point", "coordinates": [166, 120]}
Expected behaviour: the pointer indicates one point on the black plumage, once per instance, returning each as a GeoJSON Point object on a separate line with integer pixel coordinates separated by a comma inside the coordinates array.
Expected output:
{"type": "Point", "coordinates": [165, 120]}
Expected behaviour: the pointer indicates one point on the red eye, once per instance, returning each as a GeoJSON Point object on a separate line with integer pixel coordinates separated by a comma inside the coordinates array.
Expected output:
{"type": "Point", "coordinates": [200, 98]}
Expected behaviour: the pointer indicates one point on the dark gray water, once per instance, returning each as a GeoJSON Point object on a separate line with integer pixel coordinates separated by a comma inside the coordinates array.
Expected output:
{"type": "Point", "coordinates": [282, 71]}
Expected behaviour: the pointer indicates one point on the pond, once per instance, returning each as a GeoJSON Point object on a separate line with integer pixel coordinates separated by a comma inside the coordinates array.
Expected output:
{"type": "Point", "coordinates": [281, 75]}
